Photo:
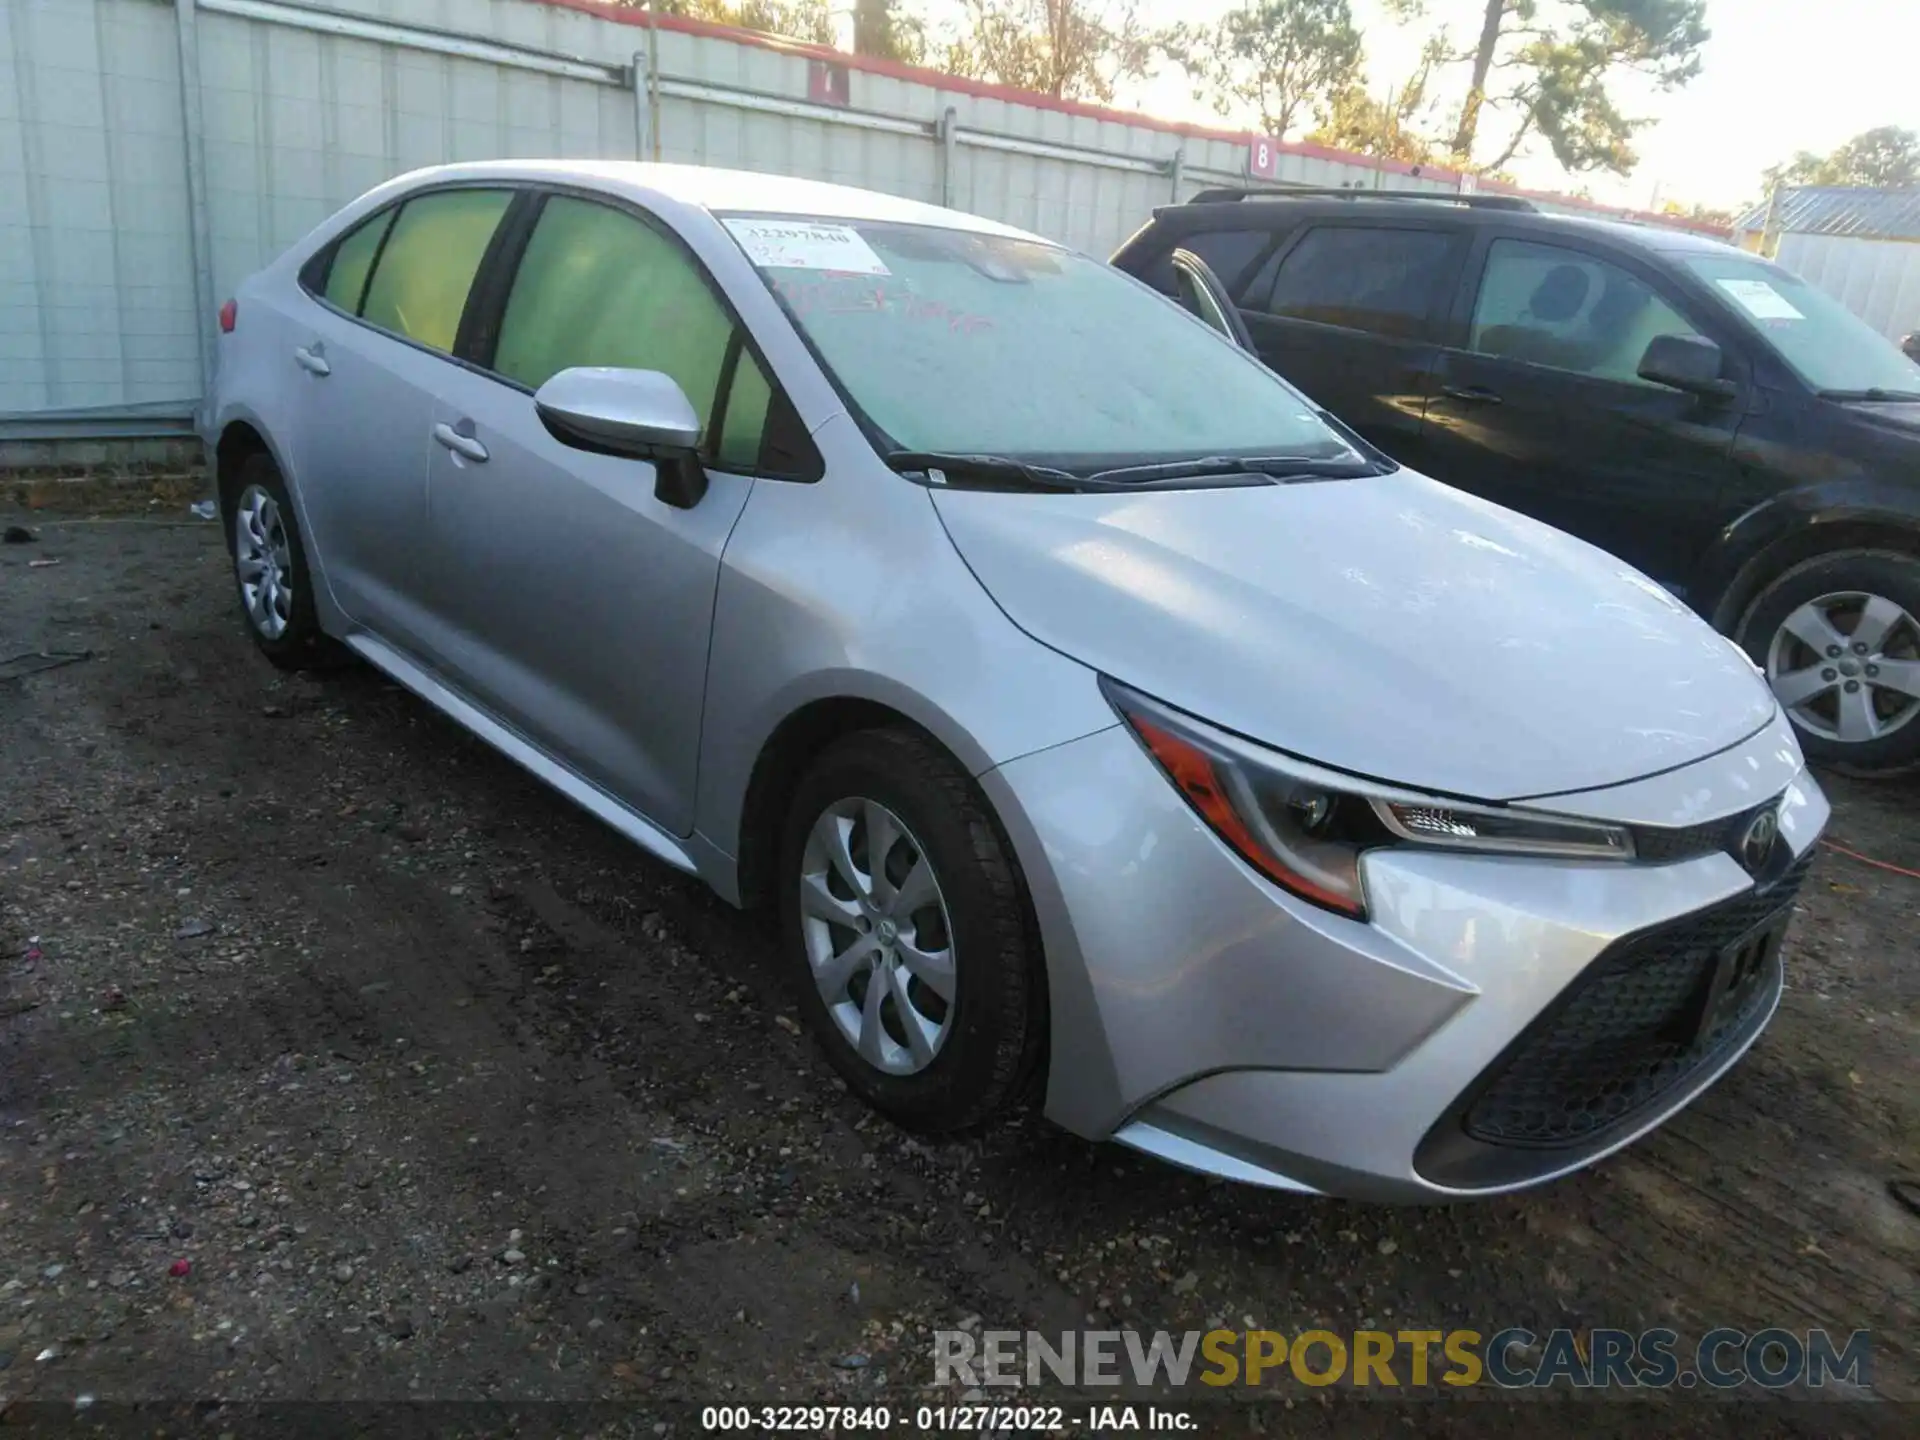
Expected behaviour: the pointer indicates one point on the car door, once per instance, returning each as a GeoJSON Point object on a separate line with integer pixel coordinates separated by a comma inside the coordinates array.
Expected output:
{"type": "Point", "coordinates": [1539, 404]}
{"type": "Point", "coordinates": [1199, 291]}
{"type": "Point", "coordinates": [1350, 313]}
{"type": "Point", "coordinates": [389, 296]}
{"type": "Point", "coordinates": [572, 601]}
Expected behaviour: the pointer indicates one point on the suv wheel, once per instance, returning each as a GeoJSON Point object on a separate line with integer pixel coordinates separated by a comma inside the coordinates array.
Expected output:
{"type": "Point", "coordinates": [906, 925]}
{"type": "Point", "coordinates": [1839, 639]}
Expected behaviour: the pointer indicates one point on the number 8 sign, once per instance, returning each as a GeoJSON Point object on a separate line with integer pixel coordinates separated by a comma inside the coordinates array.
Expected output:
{"type": "Point", "coordinates": [1263, 159]}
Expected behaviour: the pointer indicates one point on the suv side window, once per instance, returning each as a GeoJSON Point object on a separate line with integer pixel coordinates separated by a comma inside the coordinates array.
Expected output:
{"type": "Point", "coordinates": [424, 270]}
{"type": "Point", "coordinates": [598, 286]}
{"type": "Point", "coordinates": [1569, 310]}
{"type": "Point", "coordinates": [1378, 280]}
{"type": "Point", "coordinates": [1228, 253]}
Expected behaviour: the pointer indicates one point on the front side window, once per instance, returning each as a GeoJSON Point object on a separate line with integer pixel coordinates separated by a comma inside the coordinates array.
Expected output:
{"type": "Point", "coordinates": [1822, 341]}
{"type": "Point", "coordinates": [1569, 310]}
{"type": "Point", "coordinates": [419, 286]}
{"type": "Point", "coordinates": [949, 340]}
{"type": "Point", "coordinates": [599, 286]}
{"type": "Point", "coordinates": [1381, 281]}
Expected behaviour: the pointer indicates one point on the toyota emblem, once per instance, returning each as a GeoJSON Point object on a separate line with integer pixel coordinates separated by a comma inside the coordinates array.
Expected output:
{"type": "Point", "coordinates": [1757, 843]}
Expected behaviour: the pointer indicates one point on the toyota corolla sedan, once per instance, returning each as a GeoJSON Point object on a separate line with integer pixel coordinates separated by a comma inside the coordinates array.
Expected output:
{"type": "Point", "coordinates": [1095, 716]}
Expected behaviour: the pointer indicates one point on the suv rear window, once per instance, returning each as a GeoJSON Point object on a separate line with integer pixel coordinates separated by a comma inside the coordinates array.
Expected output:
{"type": "Point", "coordinates": [1382, 281]}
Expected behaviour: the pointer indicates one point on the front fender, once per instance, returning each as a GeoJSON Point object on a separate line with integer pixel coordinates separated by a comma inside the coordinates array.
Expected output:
{"type": "Point", "coordinates": [1850, 513]}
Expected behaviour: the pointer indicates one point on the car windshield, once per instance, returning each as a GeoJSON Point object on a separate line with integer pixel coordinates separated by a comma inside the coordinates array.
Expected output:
{"type": "Point", "coordinates": [1826, 344]}
{"type": "Point", "coordinates": [952, 341]}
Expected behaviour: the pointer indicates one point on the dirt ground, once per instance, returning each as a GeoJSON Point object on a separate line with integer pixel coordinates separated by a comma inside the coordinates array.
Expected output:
{"type": "Point", "coordinates": [340, 1060]}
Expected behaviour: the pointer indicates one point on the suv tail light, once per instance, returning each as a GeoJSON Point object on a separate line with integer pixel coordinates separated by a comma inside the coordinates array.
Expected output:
{"type": "Point", "coordinates": [229, 316]}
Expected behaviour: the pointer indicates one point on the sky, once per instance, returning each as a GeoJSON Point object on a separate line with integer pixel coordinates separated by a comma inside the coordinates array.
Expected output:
{"type": "Point", "coordinates": [1778, 76]}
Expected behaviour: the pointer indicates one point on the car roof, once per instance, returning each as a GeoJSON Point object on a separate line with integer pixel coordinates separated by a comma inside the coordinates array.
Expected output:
{"type": "Point", "coordinates": [1207, 214]}
{"type": "Point", "coordinates": [714, 189]}
{"type": "Point", "coordinates": [1651, 237]}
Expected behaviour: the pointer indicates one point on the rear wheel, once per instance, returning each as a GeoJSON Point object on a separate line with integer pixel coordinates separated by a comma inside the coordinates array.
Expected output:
{"type": "Point", "coordinates": [270, 570]}
{"type": "Point", "coordinates": [906, 925]}
{"type": "Point", "coordinates": [1839, 639]}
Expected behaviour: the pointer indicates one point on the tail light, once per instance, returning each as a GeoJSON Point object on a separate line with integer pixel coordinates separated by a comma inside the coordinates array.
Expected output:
{"type": "Point", "coordinates": [229, 316]}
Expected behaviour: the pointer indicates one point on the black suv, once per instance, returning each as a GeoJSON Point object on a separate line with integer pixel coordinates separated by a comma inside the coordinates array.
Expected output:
{"type": "Point", "coordinates": [1696, 410]}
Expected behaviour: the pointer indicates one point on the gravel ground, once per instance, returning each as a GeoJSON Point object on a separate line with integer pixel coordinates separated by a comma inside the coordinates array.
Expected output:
{"type": "Point", "coordinates": [340, 1060]}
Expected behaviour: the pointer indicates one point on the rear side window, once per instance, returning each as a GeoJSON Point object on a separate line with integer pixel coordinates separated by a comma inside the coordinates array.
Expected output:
{"type": "Point", "coordinates": [1381, 281]}
{"type": "Point", "coordinates": [353, 260]}
{"type": "Point", "coordinates": [419, 288]}
{"type": "Point", "coordinates": [597, 286]}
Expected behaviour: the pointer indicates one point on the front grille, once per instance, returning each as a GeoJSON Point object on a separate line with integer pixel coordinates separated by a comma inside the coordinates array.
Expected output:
{"type": "Point", "coordinates": [1625, 1033]}
{"type": "Point", "coordinates": [1663, 845]}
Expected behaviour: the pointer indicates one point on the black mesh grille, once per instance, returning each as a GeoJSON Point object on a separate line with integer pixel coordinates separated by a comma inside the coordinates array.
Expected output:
{"type": "Point", "coordinates": [1627, 1032]}
{"type": "Point", "coordinates": [1663, 846]}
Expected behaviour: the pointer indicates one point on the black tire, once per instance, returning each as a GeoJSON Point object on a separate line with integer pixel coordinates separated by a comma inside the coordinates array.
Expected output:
{"type": "Point", "coordinates": [302, 644]}
{"type": "Point", "coordinates": [1885, 573]}
{"type": "Point", "coordinates": [996, 1030]}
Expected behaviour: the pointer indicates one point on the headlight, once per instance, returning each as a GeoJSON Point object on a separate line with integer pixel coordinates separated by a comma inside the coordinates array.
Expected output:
{"type": "Point", "coordinates": [1305, 827]}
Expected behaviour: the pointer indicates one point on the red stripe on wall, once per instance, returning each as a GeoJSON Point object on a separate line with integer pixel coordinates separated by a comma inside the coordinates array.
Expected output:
{"type": "Point", "coordinates": [986, 90]}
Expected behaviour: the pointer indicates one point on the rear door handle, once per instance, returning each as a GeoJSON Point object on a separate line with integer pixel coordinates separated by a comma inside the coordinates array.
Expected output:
{"type": "Point", "coordinates": [312, 361]}
{"type": "Point", "coordinates": [460, 444]}
{"type": "Point", "coordinates": [1470, 394]}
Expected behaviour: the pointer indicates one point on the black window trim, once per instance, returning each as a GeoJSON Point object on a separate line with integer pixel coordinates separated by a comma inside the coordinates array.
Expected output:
{"type": "Point", "coordinates": [501, 267]}
{"type": "Point", "coordinates": [1431, 326]}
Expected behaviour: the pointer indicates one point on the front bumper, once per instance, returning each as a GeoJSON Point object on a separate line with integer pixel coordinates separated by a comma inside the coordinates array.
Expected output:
{"type": "Point", "coordinates": [1203, 1015]}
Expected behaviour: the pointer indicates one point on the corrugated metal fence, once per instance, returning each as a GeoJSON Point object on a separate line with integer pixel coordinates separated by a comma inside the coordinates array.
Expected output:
{"type": "Point", "coordinates": [1879, 280]}
{"type": "Point", "coordinates": [152, 152]}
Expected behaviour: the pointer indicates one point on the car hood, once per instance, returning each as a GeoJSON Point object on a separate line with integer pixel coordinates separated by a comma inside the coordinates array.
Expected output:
{"type": "Point", "coordinates": [1391, 627]}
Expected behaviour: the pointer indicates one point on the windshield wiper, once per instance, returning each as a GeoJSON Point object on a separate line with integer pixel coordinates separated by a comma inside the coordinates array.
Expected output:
{"type": "Point", "coordinates": [1873, 393]}
{"type": "Point", "coordinates": [1277, 469]}
{"type": "Point", "coordinates": [995, 467]}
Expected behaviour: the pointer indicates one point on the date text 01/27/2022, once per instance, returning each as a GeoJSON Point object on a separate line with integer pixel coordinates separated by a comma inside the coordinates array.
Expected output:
{"type": "Point", "coordinates": [948, 1419]}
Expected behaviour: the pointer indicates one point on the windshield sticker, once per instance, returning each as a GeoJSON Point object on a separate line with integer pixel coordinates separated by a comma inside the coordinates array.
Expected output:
{"type": "Point", "coordinates": [803, 245]}
{"type": "Point", "coordinates": [1760, 300]}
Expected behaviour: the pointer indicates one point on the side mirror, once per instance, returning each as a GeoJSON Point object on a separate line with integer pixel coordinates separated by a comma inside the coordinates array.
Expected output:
{"type": "Point", "coordinates": [641, 414]}
{"type": "Point", "coordinates": [1910, 347]}
{"type": "Point", "coordinates": [1686, 362]}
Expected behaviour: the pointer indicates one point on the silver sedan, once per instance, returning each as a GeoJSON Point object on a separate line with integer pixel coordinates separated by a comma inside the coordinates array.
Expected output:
{"type": "Point", "coordinates": [1100, 718]}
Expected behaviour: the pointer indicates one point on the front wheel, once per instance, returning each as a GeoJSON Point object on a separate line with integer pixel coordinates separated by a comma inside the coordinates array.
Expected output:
{"type": "Point", "coordinates": [1839, 639]}
{"type": "Point", "coordinates": [906, 925]}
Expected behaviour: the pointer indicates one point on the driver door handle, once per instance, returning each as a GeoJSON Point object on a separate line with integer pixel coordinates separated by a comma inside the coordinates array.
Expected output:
{"type": "Point", "coordinates": [1470, 394]}
{"type": "Point", "coordinates": [312, 361]}
{"type": "Point", "coordinates": [460, 444]}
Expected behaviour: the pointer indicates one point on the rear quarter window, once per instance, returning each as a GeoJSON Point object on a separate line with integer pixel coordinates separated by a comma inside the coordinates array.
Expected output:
{"type": "Point", "coordinates": [1229, 253]}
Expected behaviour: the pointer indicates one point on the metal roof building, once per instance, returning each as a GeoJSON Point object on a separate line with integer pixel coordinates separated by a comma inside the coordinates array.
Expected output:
{"type": "Point", "coordinates": [1841, 210]}
{"type": "Point", "coordinates": [1860, 245]}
